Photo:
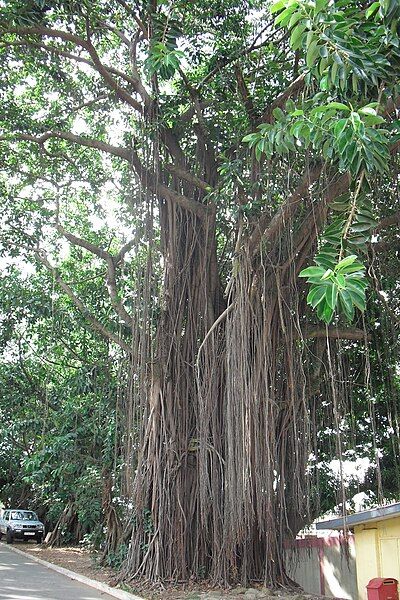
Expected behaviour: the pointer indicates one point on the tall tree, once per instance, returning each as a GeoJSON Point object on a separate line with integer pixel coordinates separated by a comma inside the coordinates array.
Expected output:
{"type": "Point", "coordinates": [234, 137]}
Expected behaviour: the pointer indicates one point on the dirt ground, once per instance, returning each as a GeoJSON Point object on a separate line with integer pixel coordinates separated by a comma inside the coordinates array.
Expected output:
{"type": "Point", "coordinates": [83, 562]}
{"type": "Point", "coordinates": [237, 593]}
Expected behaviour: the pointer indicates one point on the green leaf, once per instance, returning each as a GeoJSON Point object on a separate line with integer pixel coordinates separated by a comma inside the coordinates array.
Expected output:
{"type": "Point", "coordinates": [337, 58]}
{"type": "Point", "coordinates": [326, 275]}
{"type": "Point", "coordinates": [334, 72]}
{"type": "Point", "coordinates": [297, 36]}
{"type": "Point", "coordinates": [312, 53]}
{"type": "Point", "coordinates": [357, 297]}
{"type": "Point", "coordinates": [326, 260]}
{"type": "Point", "coordinates": [341, 281]}
{"type": "Point", "coordinates": [360, 227]}
{"type": "Point", "coordinates": [371, 10]}
{"type": "Point", "coordinates": [340, 206]}
{"type": "Point", "coordinates": [338, 106]}
{"type": "Point", "coordinates": [323, 51]}
{"type": "Point", "coordinates": [355, 268]}
{"type": "Point", "coordinates": [340, 126]}
{"type": "Point", "coordinates": [347, 304]}
{"type": "Point", "coordinates": [278, 114]}
{"type": "Point", "coordinates": [324, 83]}
{"type": "Point", "coordinates": [295, 18]}
{"type": "Point", "coordinates": [332, 295]}
{"type": "Point", "coordinates": [367, 110]}
{"type": "Point", "coordinates": [250, 137]}
{"type": "Point", "coordinates": [371, 120]}
{"type": "Point", "coordinates": [327, 313]}
{"type": "Point", "coordinates": [285, 14]}
{"type": "Point", "coordinates": [356, 282]}
{"type": "Point", "coordinates": [316, 295]}
{"type": "Point", "coordinates": [320, 5]}
{"type": "Point", "coordinates": [345, 262]}
{"type": "Point", "coordinates": [312, 272]}
{"type": "Point", "coordinates": [277, 6]}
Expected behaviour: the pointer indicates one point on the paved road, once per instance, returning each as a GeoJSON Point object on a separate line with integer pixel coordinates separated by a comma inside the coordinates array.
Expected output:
{"type": "Point", "coordinates": [23, 579]}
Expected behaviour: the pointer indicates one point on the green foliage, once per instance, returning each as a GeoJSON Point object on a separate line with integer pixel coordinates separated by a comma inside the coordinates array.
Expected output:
{"type": "Point", "coordinates": [163, 56]}
{"type": "Point", "coordinates": [57, 408]}
{"type": "Point", "coordinates": [115, 559]}
{"type": "Point", "coordinates": [344, 46]}
{"type": "Point", "coordinates": [341, 286]}
{"type": "Point", "coordinates": [163, 60]}
{"type": "Point", "coordinates": [354, 140]}
{"type": "Point", "coordinates": [338, 132]}
{"type": "Point", "coordinates": [341, 282]}
{"type": "Point", "coordinates": [345, 50]}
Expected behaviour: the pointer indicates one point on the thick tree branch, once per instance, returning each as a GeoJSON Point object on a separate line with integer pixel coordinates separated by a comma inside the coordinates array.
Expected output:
{"type": "Point", "coordinates": [111, 82]}
{"type": "Point", "coordinates": [88, 46]}
{"type": "Point", "coordinates": [113, 292]}
{"type": "Point", "coordinates": [336, 333]}
{"type": "Point", "coordinates": [88, 103]}
{"type": "Point", "coordinates": [148, 179]}
{"type": "Point", "coordinates": [71, 137]}
{"type": "Point", "coordinates": [138, 84]}
{"type": "Point", "coordinates": [187, 176]}
{"type": "Point", "coordinates": [233, 58]}
{"type": "Point", "coordinates": [120, 34]}
{"type": "Point", "coordinates": [95, 323]}
{"type": "Point", "coordinates": [77, 241]}
{"type": "Point", "coordinates": [292, 90]}
{"type": "Point", "coordinates": [385, 246]}
{"type": "Point", "coordinates": [131, 12]}
{"type": "Point", "coordinates": [75, 57]}
{"type": "Point", "coordinates": [267, 228]}
{"type": "Point", "coordinates": [388, 221]}
{"type": "Point", "coordinates": [111, 270]}
{"type": "Point", "coordinates": [124, 250]}
{"type": "Point", "coordinates": [244, 93]}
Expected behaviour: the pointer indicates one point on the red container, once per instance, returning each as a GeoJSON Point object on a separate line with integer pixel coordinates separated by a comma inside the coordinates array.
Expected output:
{"type": "Point", "coordinates": [382, 588]}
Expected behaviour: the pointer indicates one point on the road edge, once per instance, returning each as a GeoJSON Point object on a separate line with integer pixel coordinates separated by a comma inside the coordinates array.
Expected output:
{"type": "Point", "coordinates": [98, 585]}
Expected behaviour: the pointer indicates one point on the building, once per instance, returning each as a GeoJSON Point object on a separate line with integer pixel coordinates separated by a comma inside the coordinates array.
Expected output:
{"type": "Point", "coordinates": [377, 542]}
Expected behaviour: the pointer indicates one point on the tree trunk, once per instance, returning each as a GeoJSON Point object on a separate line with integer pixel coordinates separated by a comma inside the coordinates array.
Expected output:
{"type": "Point", "coordinates": [226, 426]}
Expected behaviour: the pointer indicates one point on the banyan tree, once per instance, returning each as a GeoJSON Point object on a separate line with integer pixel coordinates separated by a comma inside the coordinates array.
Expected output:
{"type": "Point", "coordinates": [252, 146]}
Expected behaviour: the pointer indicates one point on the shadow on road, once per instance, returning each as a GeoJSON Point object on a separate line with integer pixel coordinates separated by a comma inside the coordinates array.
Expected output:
{"type": "Point", "coordinates": [23, 579]}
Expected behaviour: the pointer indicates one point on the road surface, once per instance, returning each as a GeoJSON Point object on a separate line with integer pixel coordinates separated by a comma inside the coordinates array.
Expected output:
{"type": "Point", "coordinates": [23, 579]}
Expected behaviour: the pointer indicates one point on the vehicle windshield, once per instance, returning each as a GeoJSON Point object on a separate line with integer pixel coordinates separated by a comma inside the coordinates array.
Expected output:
{"type": "Point", "coordinates": [23, 515]}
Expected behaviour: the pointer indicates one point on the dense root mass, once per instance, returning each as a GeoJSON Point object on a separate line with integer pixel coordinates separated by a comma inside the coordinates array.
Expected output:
{"type": "Point", "coordinates": [222, 476]}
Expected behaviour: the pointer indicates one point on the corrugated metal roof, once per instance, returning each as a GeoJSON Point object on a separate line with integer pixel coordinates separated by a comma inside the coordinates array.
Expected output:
{"type": "Point", "coordinates": [366, 516]}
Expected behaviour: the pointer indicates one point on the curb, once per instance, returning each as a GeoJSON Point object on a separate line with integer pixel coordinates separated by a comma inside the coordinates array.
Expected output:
{"type": "Point", "coordinates": [98, 585]}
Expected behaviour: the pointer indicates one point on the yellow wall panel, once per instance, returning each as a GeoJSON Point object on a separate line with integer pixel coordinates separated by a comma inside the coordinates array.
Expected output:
{"type": "Point", "coordinates": [367, 558]}
{"type": "Point", "coordinates": [389, 558]}
{"type": "Point", "coordinates": [377, 552]}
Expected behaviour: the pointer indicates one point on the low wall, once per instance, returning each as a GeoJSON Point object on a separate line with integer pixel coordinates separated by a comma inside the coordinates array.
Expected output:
{"type": "Point", "coordinates": [323, 566]}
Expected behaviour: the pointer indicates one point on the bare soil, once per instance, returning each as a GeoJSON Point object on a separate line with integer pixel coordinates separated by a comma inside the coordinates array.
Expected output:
{"type": "Point", "coordinates": [195, 592]}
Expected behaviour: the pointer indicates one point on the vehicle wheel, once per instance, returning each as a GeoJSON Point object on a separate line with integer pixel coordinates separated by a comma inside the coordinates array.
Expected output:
{"type": "Point", "coordinates": [38, 539]}
{"type": "Point", "coordinates": [9, 537]}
